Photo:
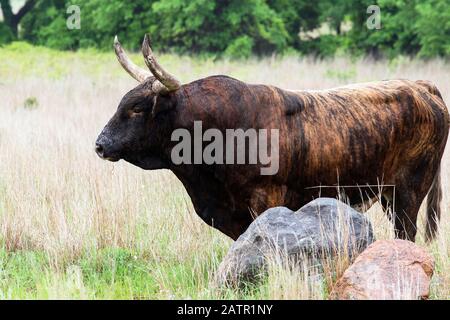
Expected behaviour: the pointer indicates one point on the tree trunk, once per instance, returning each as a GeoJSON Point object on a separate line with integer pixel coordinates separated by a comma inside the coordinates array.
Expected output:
{"type": "Point", "coordinates": [12, 20]}
{"type": "Point", "coordinates": [338, 28]}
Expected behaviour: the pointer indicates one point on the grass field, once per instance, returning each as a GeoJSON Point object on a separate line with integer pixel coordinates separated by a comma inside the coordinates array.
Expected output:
{"type": "Point", "coordinates": [73, 226]}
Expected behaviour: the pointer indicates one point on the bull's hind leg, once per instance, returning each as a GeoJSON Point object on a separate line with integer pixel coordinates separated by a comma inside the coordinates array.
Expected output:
{"type": "Point", "coordinates": [404, 214]}
{"type": "Point", "coordinates": [402, 203]}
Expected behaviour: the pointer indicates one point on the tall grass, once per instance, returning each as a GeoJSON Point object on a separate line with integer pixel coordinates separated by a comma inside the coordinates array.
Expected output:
{"type": "Point", "coordinates": [73, 226]}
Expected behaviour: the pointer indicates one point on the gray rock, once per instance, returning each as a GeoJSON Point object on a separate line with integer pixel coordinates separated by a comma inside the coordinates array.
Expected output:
{"type": "Point", "coordinates": [322, 228]}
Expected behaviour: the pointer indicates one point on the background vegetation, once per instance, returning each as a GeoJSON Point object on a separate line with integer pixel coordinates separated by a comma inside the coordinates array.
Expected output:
{"type": "Point", "coordinates": [237, 28]}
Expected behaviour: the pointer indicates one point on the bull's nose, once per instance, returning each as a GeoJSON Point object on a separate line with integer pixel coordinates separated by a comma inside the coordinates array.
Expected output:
{"type": "Point", "coordinates": [106, 150]}
{"type": "Point", "coordinates": [99, 150]}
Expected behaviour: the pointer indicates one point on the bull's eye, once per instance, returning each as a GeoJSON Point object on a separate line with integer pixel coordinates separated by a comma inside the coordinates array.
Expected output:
{"type": "Point", "coordinates": [135, 111]}
{"type": "Point", "coordinates": [138, 109]}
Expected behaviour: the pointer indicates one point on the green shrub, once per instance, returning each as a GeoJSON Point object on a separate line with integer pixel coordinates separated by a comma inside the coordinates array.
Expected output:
{"type": "Point", "coordinates": [31, 103]}
{"type": "Point", "coordinates": [240, 48]}
{"type": "Point", "coordinates": [324, 46]}
{"type": "Point", "coordinates": [433, 28]}
{"type": "Point", "coordinates": [6, 36]}
{"type": "Point", "coordinates": [236, 28]}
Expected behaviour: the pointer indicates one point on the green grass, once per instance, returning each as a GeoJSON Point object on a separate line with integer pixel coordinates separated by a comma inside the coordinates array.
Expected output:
{"type": "Point", "coordinates": [103, 274]}
{"type": "Point", "coordinates": [111, 274]}
{"type": "Point", "coordinates": [26, 60]}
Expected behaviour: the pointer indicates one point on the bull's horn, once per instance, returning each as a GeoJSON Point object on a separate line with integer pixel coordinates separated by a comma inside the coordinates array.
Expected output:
{"type": "Point", "coordinates": [168, 80]}
{"type": "Point", "coordinates": [136, 72]}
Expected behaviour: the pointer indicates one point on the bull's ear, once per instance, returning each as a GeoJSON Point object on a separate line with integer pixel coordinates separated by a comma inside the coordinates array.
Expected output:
{"type": "Point", "coordinates": [161, 104]}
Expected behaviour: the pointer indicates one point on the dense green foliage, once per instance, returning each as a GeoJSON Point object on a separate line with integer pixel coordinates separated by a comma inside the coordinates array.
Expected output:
{"type": "Point", "coordinates": [238, 28]}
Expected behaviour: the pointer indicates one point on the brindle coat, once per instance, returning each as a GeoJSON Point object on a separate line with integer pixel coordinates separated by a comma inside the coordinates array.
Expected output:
{"type": "Point", "coordinates": [374, 141]}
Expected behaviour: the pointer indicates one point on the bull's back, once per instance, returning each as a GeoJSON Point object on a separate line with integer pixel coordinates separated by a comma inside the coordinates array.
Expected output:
{"type": "Point", "coordinates": [367, 132]}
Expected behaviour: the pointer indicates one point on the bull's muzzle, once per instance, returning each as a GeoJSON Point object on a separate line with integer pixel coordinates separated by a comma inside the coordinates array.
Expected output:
{"type": "Point", "coordinates": [104, 149]}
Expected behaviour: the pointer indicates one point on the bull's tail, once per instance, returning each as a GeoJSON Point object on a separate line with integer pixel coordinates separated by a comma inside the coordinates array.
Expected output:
{"type": "Point", "coordinates": [433, 207]}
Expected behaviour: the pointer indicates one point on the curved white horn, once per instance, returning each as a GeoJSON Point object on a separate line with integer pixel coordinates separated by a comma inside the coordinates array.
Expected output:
{"type": "Point", "coordinates": [136, 72]}
{"type": "Point", "coordinates": [169, 81]}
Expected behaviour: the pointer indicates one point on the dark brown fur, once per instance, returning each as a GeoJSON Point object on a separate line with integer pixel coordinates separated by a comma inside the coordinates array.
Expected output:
{"type": "Point", "coordinates": [344, 139]}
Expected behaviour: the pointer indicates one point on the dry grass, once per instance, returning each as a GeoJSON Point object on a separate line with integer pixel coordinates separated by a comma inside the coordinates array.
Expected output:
{"type": "Point", "coordinates": [58, 198]}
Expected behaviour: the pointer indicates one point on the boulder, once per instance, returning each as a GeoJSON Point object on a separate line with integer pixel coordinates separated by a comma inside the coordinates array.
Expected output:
{"type": "Point", "coordinates": [387, 270]}
{"type": "Point", "coordinates": [322, 228]}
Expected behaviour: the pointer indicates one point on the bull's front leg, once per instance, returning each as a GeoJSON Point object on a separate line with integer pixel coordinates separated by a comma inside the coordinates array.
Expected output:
{"type": "Point", "coordinates": [231, 223]}
{"type": "Point", "coordinates": [265, 197]}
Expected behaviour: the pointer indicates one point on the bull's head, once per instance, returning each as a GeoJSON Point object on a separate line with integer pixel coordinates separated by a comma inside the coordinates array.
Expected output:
{"type": "Point", "coordinates": [135, 131]}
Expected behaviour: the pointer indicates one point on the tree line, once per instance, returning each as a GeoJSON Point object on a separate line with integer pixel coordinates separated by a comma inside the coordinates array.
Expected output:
{"type": "Point", "coordinates": [238, 28]}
